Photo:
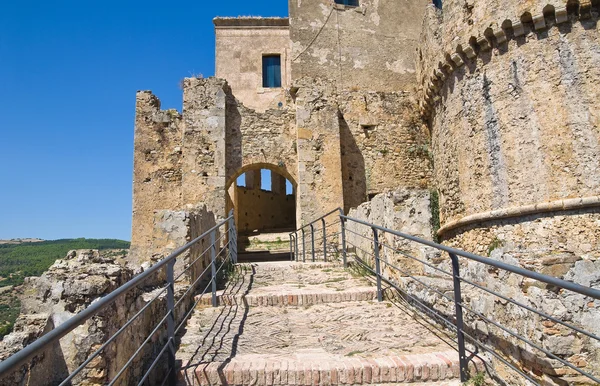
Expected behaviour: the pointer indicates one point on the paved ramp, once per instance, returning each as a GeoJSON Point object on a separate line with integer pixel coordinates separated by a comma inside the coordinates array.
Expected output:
{"type": "Point", "coordinates": [286, 323]}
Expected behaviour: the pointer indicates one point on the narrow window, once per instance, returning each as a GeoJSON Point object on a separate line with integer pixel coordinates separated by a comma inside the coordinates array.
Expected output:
{"type": "Point", "coordinates": [351, 3]}
{"type": "Point", "coordinates": [272, 71]}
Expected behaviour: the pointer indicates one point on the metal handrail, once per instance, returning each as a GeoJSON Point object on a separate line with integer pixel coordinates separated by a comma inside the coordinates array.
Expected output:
{"type": "Point", "coordinates": [317, 220]}
{"type": "Point", "coordinates": [294, 250]}
{"type": "Point", "coordinates": [14, 361]}
{"type": "Point", "coordinates": [378, 247]}
{"type": "Point", "coordinates": [587, 291]}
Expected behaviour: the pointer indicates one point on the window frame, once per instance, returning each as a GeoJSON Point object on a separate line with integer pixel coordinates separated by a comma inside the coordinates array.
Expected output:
{"type": "Point", "coordinates": [277, 81]}
{"type": "Point", "coordinates": [355, 3]}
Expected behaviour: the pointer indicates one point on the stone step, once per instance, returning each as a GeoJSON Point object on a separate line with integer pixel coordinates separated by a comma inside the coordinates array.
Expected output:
{"type": "Point", "coordinates": [295, 298]}
{"type": "Point", "coordinates": [432, 368]}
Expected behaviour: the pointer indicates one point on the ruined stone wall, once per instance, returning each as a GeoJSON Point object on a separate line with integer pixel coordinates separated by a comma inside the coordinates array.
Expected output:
{"type": "Point", "coordinates": [240, 46]}
{"type": "Point", "coordinates": [264, 210]}
{"type": "Point", "coordinates": [204, 152]}
{"type": "Point", "coordinates": [553, 245]}
{"type": "Point", "coordinates": [156, 170]}
{"type": "Point", "coordinates": [183, 163]}
{"type": "Point", "coordinates": [260, 140]}
{"type": "Point", "coordinates": [320, 187]}
{"type": "Point", "coordinates": [369, 47]}
{"type": "Point", "coordinates": [384, 145]}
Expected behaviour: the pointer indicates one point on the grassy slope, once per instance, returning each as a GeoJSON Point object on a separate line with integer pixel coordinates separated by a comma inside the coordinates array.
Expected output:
{"type": "Point", "coordinates": [32, 259]}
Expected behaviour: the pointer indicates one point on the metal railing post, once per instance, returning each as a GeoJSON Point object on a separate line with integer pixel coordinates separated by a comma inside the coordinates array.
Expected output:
{"type": "Point", "coordinates": [172, 376]}
{"type": "Point", "coordinates": [213, 267]}
{"type": "Point", "coordinates": [312, 240]}
{"type": "Point", "coordinates": [232, 238]}
{"type": "Point", "coordinates": [303, 247]}
{"type": "Point", "coordinates": [462, 356]}
{"type": "Point", "coordinates": [291, 248]}
{"type": "Point", "coordinates": [296, 242]}
{"type": "Point", "coordinates": [343, 232]}
{"type": "Point", "coordinates": [377, 264]}
{"type": "Point", "coordinates": [324, 240]}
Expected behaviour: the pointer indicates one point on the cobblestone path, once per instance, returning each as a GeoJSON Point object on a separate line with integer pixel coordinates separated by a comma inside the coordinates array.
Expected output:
{"type": "Point", "coordinates": [289, 323]}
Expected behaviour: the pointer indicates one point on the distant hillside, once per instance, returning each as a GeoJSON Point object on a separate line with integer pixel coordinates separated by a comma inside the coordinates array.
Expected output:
{"type": "Point", "coordinates": [33, 258]}
{"type": "Point", "coordinates": [20, 241]}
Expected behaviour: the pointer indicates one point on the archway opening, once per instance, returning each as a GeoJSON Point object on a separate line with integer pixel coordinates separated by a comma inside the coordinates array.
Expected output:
{"type": "Point", "coordinates": [264, 204]}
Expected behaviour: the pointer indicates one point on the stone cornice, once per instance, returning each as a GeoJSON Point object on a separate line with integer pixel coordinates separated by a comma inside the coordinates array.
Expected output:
{"type": "Point", "coordinates": [520, 211]}
{"type": "Point", "coordinates": [496, 37]}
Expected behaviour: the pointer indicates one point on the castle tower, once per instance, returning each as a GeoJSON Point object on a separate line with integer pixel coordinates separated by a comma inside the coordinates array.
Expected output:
{"type": "Point", "coordinates": [511, 93]}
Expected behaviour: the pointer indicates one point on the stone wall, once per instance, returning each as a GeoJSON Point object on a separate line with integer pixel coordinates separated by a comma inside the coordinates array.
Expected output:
{"type": "Point", "coordinates": [384, 145]}
{"type": "Point", "coordinates": [370, 47]}
{"type": "Point", "coordinates": [183, 163]}
{"type": "Point", "coordinates": [554, 244]}
{"type": "Point", "coordinates": [319, 154]}
{"type": "Point", "coordinates": [260, 139]}
{"type": "Point", "coordinates": [510, 93]}
{"type": "Point", "coordinates": [262, 210]}
{"type": "Point", "coordinates": [71, 285]}
{"type": "Point", "coordinates": [240, 46]}
{"type": "Point", "coordinates": [156, 170]}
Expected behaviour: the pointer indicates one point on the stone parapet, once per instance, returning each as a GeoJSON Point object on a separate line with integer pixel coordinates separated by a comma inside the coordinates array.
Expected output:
{"type": "Point", "coordinates": [522, 211]}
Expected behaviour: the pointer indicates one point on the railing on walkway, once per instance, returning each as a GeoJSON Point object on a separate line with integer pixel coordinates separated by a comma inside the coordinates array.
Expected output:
{"type": "Point", "coordinates": [221, 249]}
{"type": "Point", "coordinates": [316, 236]}
{"type": "Point", "coordinates": [380, 241]}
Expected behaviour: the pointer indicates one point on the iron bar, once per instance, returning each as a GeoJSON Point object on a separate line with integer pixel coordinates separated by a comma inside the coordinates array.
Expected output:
{"type": "Point", "coordinates": [296, 242]}
{"type": "Point", "coordinates": [377, 264]}
{"type": "Point", "coordinates": [343, 231]}
{"type": "Point", "coordinates": [171, 318]}
{"type": "Point", "coordinates": [462, 357]}
{"type": "Point", "coordinates": [303, 247]}
{"type": "Point", "coordinates": [232, 237]}
{"type": "Point", "coordinates": [312, 241]}
{"type": "Point", "coordinates": [213, 268]}
{"type": "Point", "coordinates": [324, 240]}
{"type": "Point", "coordinates": [41, 343]}
{"type": "Point", "coordinates": [587, 291]}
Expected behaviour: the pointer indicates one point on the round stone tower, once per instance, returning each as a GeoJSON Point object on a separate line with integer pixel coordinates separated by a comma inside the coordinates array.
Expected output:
{"type": "Point", "coordinates": [511, 90]}
{"type": "Point", "coordinates": [511, 93]}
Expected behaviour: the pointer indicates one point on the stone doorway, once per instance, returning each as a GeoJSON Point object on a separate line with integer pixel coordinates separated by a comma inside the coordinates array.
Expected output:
{"type": "Point", "coordinates": [264, 204]}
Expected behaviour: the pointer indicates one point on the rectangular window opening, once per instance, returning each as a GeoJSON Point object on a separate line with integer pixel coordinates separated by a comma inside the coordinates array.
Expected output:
{"type": "Point", "coordinates": [350, 3]}
{"type": "Point", "coordinates": [272, 71]}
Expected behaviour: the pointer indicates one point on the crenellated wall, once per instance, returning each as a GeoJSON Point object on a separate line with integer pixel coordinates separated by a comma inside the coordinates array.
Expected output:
{"type": "Point", "coordinates": [510, 91]}
{"type": "Point", "coordinates": [515, 128]}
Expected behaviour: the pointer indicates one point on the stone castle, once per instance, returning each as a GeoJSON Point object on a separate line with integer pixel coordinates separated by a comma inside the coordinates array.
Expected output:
{"type": "Point", "coordinates": [491, 105]}
{"type": "Point", "coordinates": [482, 117]}
{"type": "Point", "coordinates": [474, 123]}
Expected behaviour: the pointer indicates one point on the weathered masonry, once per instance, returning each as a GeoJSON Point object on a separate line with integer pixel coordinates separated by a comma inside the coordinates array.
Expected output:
{"type": "Point", "coordinates": [323, 99]}
{"type": "Point", "coordinates": [475, 122]}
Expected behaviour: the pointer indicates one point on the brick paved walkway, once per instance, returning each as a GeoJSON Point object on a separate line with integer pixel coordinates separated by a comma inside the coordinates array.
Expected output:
{"type": "Point", "coordinates": [309, 324]}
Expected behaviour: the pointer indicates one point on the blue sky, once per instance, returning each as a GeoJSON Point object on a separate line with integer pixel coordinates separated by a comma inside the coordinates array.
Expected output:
{"type": "Point", "coordinates": [69, 71]}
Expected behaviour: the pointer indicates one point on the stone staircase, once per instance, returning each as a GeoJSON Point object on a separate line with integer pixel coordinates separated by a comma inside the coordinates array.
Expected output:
{"type": "Point", "coordinates": [286, 323]}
